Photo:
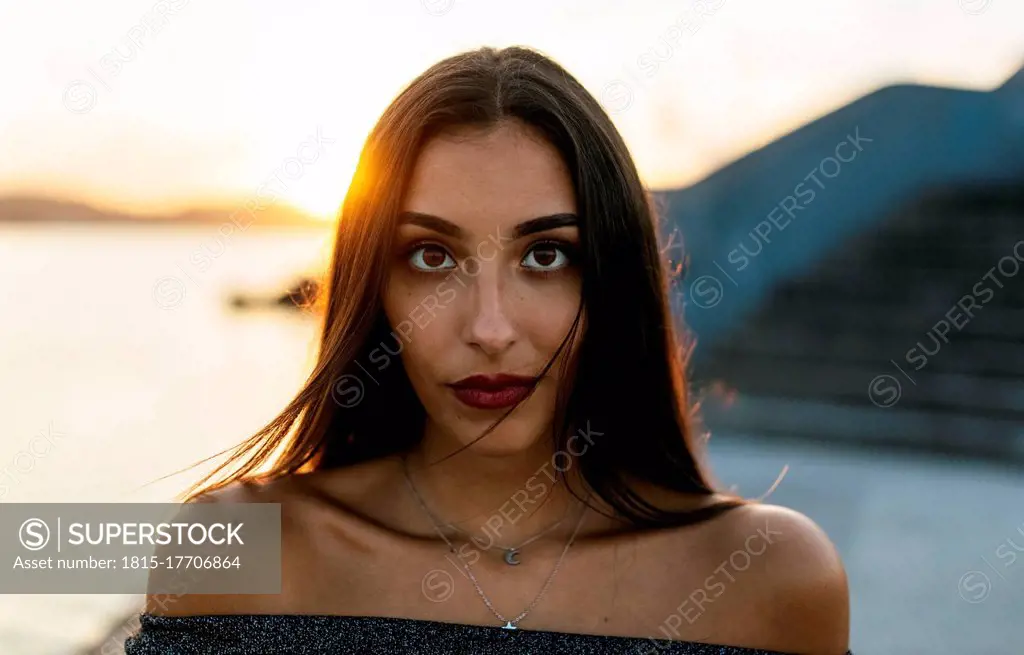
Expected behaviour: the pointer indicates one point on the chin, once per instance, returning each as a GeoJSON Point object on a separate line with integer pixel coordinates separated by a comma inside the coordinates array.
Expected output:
{"type": "Point", "coordinates": [509, 438]}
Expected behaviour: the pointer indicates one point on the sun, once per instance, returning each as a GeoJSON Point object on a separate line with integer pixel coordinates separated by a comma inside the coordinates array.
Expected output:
{"type": "Point", "coordinates": [322, 187]}
{"type": "Point", "coordinates": [321, 203]}
{"type": "Point", "coordinates": [321, 197]}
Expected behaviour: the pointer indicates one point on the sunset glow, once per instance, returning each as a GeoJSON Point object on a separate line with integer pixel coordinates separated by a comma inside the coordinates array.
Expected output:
{"type": "Point", "coordinates": [161, 107]}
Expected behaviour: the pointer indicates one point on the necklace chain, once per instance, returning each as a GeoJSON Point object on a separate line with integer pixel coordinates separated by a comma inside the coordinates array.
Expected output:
{"type": "Point", "coordinates": [510, 624]}
{"type": "Point", "coordinates": [437, 521]}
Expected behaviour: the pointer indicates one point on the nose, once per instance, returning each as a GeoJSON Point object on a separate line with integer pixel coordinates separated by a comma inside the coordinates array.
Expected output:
{"type": "Point", "coordinates": [489, 326]}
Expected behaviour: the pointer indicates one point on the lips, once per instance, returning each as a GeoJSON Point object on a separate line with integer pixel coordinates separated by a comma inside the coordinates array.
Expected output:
{"type": "Point", "coordinates": [492, 391]}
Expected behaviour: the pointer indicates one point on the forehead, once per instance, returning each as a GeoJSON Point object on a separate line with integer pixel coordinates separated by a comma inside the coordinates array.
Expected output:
{"type": "Point", "coordinates": [504, 174]}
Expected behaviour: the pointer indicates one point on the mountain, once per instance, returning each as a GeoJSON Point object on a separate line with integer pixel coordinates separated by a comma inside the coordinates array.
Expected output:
{"type": "Point", "coordinates": [774, 214]}
{"type": "Point", "coordinates": [33, 209]}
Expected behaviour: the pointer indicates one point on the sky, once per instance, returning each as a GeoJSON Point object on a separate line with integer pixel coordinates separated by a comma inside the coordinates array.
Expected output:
{"type": "Point", "coordinates": [155, 106]}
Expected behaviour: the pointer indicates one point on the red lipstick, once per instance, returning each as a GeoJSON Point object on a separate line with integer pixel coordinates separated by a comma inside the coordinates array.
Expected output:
{"type": "Point", "coordinates": [492, 391]}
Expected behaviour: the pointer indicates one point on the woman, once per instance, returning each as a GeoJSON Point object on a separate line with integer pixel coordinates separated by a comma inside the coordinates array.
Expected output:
{"type": "Point", "coordinates": [494, 452]}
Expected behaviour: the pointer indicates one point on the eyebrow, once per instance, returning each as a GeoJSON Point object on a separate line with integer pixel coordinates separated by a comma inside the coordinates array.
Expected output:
{"type": "Point", "coordinates": [446, 227]}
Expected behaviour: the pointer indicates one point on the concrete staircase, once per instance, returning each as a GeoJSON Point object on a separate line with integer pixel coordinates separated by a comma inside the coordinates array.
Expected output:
{"type": "Point", "coordinates": [871, 348]}
{"type": "Point", "coordinates": [810, 193]}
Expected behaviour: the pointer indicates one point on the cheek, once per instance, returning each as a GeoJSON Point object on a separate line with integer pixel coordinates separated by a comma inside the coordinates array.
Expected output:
{"type": "Point", "coordinates": [546, 313]}
{"type": "Point", "coordinates": [417, 316]}
{"type": "Point", "coordinates": [426, 346]}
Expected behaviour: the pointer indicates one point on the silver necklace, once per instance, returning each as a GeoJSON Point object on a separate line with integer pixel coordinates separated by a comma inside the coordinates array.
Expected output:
{"type": "Point", "coordinates": [510, 624]}
{"type": "Point", "coordinates": [511, 553]}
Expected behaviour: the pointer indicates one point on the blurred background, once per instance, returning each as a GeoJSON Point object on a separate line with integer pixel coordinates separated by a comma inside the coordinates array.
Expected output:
{"type": "Point", "coordinates": [842, 186]}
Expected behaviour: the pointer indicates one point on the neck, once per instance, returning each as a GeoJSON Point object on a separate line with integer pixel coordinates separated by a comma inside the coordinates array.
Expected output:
{"type": "Point", "coordinates": [500, 500]}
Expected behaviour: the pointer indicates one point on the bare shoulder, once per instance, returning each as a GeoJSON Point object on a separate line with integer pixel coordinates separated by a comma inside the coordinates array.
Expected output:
{"type": "Point", "coordinates": [322, 514]}
{"type": "Point", "coordinates": [194, 604]}
{"type": "Point", "coordinates": [348, 485]}
{"type": "Point", "coordinates": [798, 595]}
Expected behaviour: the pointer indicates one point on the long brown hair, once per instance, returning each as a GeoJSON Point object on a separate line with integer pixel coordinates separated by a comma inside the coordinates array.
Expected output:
{"type": "Point", "coordinates": [628, 379]}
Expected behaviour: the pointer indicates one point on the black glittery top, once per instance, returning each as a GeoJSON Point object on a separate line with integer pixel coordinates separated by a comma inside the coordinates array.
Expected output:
{"type": "Point", "coordinates": [252, 634]}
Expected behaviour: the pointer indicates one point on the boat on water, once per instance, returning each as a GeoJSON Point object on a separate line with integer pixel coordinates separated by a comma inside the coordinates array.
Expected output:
{"type": "Point", "coordinates": [300, 295]}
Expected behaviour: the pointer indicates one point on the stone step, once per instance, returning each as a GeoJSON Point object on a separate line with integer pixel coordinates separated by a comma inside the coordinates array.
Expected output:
{"type": "Point", "coordinates": [848, 314]}
{"type": "Point", "coordinates": [869, 426]}
{"type": "Point", "coordinates": [888, 285]}
{"type": "Point", "coordinates": [965, 353]}
{"type": "Point", "coordinates": [864, 383]}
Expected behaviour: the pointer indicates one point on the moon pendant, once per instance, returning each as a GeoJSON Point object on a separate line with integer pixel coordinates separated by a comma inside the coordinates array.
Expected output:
{"type": "Point", "coordinates": [510, 556]}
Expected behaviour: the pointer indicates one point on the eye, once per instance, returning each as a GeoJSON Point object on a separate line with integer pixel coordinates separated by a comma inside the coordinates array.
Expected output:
{"type": "Point", "coordinates": [431, 258]}
{"type": "Point", "coordinates": [546, 257]}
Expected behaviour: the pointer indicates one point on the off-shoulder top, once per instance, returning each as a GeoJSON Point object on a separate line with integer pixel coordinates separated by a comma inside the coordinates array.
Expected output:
{"type": "Point", "coordinates": [263, 634]}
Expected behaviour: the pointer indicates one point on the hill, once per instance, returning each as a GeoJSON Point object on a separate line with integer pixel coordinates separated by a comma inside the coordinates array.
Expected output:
{"type": "Point", "coordinates": [34, 209]}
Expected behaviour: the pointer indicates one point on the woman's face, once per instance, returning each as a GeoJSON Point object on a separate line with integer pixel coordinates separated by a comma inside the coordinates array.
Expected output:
{"type": "Point", "coordinates": [484, 285]}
